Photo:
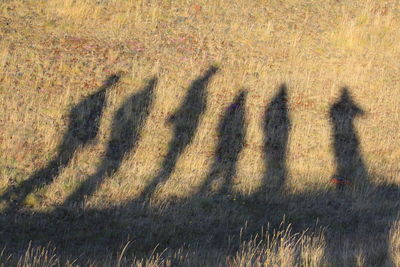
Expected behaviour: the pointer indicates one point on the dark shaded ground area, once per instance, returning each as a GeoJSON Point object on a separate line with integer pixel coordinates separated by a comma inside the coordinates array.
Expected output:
{"type": "Point", "coordinates": [215, 221]}
{"type": "Point", "coordinates": [349, 163]}
{"type": "Point", "coordinates": [231, 134]}
{"type": "Point", "coordinates": [185, 122]}
{"type": "Point", "coordinates": [276, 136]}
{"type": "Point", "coordinates": [83, 127]}
{"type": "Point", "coordinates": [127, 124]}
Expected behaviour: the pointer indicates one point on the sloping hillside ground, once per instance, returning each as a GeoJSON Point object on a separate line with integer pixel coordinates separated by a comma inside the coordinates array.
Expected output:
{"type": "Point", "coordinates": [199, 133]}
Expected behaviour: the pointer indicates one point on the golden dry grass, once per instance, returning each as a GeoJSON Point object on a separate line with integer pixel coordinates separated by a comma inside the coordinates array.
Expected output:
{"type": "Point", "coordinates": [55, 53]}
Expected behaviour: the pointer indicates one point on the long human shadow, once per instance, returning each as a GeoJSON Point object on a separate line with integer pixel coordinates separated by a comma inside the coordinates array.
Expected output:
{"type": "Point", "coordinates": [350, 165]}
{"type": "Point", "coordinates": [231, 136]}
{"type": "Point", "coordinates": [127, 124]}
{"type": "Point", "coordinates": [351, 171]}
{"type": "Point", "coordinates": [83, 127]}
{"type": "Point", "coordinates": [276, 134]}
{"type": "Point", "coordinates": [214, 223]}
{"type": "Point", "coordinates": [185, 122]}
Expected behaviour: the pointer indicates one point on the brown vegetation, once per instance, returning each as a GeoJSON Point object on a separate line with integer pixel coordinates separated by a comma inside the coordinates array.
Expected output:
{"type": "Point", "coordinates": [199, 133]}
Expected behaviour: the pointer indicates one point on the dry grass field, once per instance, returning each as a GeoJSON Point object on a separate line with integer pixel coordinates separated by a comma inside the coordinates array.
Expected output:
{"type": "Point", "coordinates": [199, 133]}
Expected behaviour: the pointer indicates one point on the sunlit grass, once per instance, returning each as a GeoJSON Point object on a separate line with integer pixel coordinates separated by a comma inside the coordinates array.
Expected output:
{"type": "Point", "coordinates": [55, 53]}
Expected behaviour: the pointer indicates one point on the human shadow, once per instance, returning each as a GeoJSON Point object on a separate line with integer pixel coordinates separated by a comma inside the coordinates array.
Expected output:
{"type": "Point", "coordinates": [83, 127]}
{"type": "Point", "coordinates": [351, 172]}
{"type": "Point", "coordinates": [276, 134]}
{"type": "Point", "coordinates": [350, 166]}
{"type": "Point", "coordinates": [351, 222]}
{"type": "Point", "coordinates": [231, 136]}
{"type": "Point", "coordinates": [127, 124]}
{"type": "Point", "coordinates": [185, 122]}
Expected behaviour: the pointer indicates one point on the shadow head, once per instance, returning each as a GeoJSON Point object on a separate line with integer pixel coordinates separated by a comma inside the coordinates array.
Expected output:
{"type": "Point", "coordinates": [347, 105]}
{"type": "Point", "coordinates": [112, 79]}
